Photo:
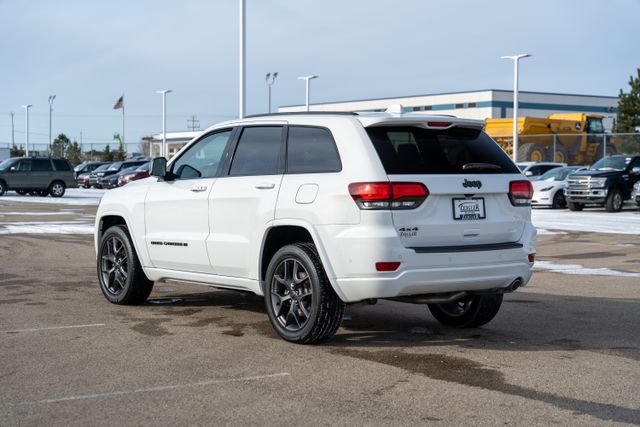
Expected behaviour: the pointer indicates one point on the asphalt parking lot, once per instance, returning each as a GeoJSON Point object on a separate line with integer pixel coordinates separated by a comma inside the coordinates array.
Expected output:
{"type": "Point", "coordinates": [564, 350]}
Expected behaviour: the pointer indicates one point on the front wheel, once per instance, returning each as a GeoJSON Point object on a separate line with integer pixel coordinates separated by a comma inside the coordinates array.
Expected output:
{"type": "Point", "coordinates": [122, 280]}
{"type": "Point", "coordinates": [468, 312]}
{"type": "Point", "coordinates": [559, 201]}
{"type": "Point", "coordinates": [614, 201]}
{"type": "Point", "coordinates": [3, 188]}
{"type": "Point", "coordinates": [300, 302]}
{"type": "Point", "coordinates": [57, 189]}
{"type": "Point", "coordinates": [575, 207]}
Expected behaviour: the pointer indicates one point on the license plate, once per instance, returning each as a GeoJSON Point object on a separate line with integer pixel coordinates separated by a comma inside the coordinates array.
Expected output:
{"type": "Point", "coordinates": [468, 209]}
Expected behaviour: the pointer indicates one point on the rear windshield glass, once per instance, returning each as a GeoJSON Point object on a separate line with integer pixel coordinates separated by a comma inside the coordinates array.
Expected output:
{"type": "Point", "coordinates": [416, 150]}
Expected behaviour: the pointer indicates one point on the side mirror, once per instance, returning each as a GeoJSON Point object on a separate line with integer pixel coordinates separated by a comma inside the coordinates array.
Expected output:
{"type": "Point", "coordinates": [12, 169]}
{"type": "Point", "coordinates": [635, 170]}
{"type": "Point", "coordinates": [158, 167]}
{"type": "Point", "coordinates": [528, 173]}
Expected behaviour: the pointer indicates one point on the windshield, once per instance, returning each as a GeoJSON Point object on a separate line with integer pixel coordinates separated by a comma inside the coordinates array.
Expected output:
{"type": "Point", "coordinates": [611, 164]}
{"type": "Point", "coordinates": [557, 174]}
{"type": "Point", "coordinates": [115, 166]}
{"type": "Point", "coordinates": [144, 168]}
{"type": "Point", "coordinates": [102, 168]}
{"type": "Point", "coordinates": [79, 167]}
{"type": "Point", "coordinates": [7, 164]}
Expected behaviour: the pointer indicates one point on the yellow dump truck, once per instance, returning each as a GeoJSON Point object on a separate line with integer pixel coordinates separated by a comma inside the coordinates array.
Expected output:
{"type": "Point", "coordinates": [575, 138]}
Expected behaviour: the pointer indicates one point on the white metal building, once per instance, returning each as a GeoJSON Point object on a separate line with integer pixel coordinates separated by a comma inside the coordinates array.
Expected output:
{"type": "Point", "coordinates": [481, 104]}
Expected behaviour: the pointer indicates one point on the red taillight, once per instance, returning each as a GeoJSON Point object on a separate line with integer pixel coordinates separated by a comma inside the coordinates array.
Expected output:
{"type": "Point", "coordinates": [532, 257]}
{"type": "Point", "coordinates": [387, 266]}
{"type": "Point", "coordinates": [438, 124]}
{"type": "Point", "coordinates": [388, 195]}
{"type": "Point", "coordinates": [520, 193]}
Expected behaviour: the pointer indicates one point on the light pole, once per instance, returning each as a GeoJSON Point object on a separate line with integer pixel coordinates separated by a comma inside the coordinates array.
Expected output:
{"type": "Point", "coordinates": [26, 109]}
{"type": "Point", "coordinates": [165, 151]}
{"type": "Point", "coordinates": [307, 79]}
{"type": "Point", "coordinates": [516, 60]}
{"type": "Point", "coordinates": [242, 59]}
{"type": "Point", "coordinates": [270, 79]}
{"type": "Point", "coordinates": [51, 98]}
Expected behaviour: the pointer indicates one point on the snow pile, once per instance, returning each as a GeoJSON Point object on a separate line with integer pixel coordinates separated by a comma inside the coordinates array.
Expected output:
{"type": "Point", "coordinates": [626, 222]}
{"type": "Point", "coordinates": [71, 227]}
{"type": "Point", "coordinates": [73, 196]}
{"type": "Point", "coordinates": [581, 270]}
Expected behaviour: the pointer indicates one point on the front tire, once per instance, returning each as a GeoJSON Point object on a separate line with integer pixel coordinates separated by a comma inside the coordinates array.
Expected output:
{"type": "Point", "coordinates": [468, 312]}
{"type": "Point", "coordinates": [57, 189]}
{"type": "Point", "coordinates": [122, 280]}
{"type": "Point", "coordinates": [3, 188]}
{"type": "Point", "coordinates": [614, 201]}
{"type": "Point", "coordinates": [302, 306]}
{"type": "Point", "coordinates": [575, 207]}
{"type": "Point", "coordinates": [559, 201]}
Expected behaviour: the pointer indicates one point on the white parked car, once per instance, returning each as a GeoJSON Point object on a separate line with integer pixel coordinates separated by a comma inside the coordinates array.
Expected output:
{"type": "Point", "coordinates": [548, 189]}
{"type": "Point", "coordinates": [533, 170]}
{"type": "Point", "coordinates": [315, 211]}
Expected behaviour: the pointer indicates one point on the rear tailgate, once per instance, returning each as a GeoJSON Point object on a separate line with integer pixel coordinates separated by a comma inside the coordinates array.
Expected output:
{"type": "Point", "coordinates": [467, 176]}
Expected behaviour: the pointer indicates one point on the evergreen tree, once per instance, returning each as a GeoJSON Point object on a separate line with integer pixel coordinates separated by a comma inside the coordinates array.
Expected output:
{"type": "Point", "coordinates": [14, 151]}
{"type": "Point", "coordinates": [629, 107]}
{"type": "Point", "coordinates": [107, 154]}
{"type": "Point", "coordinates": [59, 146]}
{"type": "Point", "coordinates": [74, 153]}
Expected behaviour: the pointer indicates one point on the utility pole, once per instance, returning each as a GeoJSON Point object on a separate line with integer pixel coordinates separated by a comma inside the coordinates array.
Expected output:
{"type": "Point", "coordinates": [193, 123]}
{"type": "Point", "coordinates": [307, 90]}
{"type": "Point", "coordinates": [165, 149]}
{"type": "Point", "coordinates": [26, 109]}
{"type": "Point", "coordinates": [51, 99]}
{"type": "Point", "coordinates": [516, 60]}
{"type": "Point", "coordinates": [13, 137]}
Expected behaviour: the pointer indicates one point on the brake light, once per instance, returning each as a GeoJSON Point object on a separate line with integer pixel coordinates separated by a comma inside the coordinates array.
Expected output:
{"type": "Point", "coordinates": [520, 193]}
{"type": "Point", "coordinates": [388, 195]}
{"type": "Point", "coordinates": [387, 266]}
{"type": "Point", "coordinates": [532, 257]}
{"type": "Point", "coordinates": [438, 124]}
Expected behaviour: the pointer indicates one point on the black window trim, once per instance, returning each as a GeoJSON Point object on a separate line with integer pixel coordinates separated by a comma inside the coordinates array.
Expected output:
{"type": "Point", "coordinates": [286, 157]}
{"type": "Point", "coordinates": [225, 153]}
{"type": "Point", "coordinates": [232, 149]}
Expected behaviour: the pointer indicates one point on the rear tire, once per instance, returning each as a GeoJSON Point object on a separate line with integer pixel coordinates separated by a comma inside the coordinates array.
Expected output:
{"type": "Point", "coordinates": [3, 188]}
{"type": "Point", "coordinates": [120, 274]}
{"type": "Point", "coordinates": [302, 306]}
{"type": "Point", "coordinates": [614, 201]}
{"type": "Point", "coordinates": [57, 189]}
{"type": "Point", "coordinates": [469, 312]}
{"type": "Point", "coordinates": [531, 151]}
{"type": "Point", "coordinates": [575, 207]}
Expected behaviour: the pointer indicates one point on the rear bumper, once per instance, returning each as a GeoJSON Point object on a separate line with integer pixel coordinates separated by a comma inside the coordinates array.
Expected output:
{"type": "Point", "coordinates": [352, 252]}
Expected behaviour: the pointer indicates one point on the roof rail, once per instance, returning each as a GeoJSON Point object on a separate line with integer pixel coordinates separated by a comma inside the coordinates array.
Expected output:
{"type": "Point", "coordinates": [302, 113]}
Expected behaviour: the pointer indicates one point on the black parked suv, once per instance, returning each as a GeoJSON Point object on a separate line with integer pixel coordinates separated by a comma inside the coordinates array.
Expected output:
{"type": "Point", "coordinates": [95, 179]}
{"type": "Point", "coordinates": [608, 182]}
{"type": "Point", "coordinates": [37, 175]}
{"type": "Point", "coordinates": [87, 167]}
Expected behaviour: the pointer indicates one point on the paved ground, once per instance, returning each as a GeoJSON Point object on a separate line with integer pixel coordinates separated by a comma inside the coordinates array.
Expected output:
{"type": "Point", "coordinates": [565, 350]}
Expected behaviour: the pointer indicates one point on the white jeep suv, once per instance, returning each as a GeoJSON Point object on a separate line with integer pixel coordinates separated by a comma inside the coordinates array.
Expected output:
{"type": "Point", "coordinates": [318, 210]}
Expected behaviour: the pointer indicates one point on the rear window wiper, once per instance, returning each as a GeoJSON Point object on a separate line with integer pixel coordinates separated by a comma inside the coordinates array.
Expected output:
{"type": "Point", "coordinates": [481, 166]}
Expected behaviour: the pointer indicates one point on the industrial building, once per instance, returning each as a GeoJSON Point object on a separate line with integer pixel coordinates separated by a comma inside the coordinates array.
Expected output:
{"type": "Point", "coordinates": [481, 104]}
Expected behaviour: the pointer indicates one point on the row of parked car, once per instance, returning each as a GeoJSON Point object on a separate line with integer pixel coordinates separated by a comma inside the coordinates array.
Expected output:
{"type": "Point", "coordinates": [609, 182]}
{"type": "Point", "coordinates": [110, 175]}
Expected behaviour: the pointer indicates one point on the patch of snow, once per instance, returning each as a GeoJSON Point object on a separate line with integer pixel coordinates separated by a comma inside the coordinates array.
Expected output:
{"type": "Point", "coordinates": [36, 213]}
{"type": "Point", "coordinates": [71, 227]}
{"type": "Point", "coordinates": [544, 232]}
{"type": "Point", "coordinates": [581, 270]}
{"type": "Point", "coordinates": [626, 222]}
{"type": "Point", "coordinates": [73, 196]}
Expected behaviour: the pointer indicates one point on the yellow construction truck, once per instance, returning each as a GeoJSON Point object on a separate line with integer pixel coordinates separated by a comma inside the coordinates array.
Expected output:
{"type": "Point", "coordinates": [574, 138]}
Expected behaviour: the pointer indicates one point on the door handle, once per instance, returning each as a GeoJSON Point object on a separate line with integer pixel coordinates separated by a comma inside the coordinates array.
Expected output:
{"type": "Point", "coordinates": [198, 188]}
{"type": "Point", "coordinates": [265, 186]}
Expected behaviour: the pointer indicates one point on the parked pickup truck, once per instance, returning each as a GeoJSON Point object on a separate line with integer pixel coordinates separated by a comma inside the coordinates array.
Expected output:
{"type": "Point", "coordinates": [608, 182]}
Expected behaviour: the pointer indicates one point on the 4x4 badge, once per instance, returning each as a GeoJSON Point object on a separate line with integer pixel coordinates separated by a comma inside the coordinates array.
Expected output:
{"type": "Point", "coordinates": [476, 184]}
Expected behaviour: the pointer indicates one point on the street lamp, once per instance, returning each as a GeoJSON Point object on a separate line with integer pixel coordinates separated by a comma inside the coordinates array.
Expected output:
{"type": "Point", "coordinates": [516, 60]}
{"type": "Point", "coordinates": [165, 151]}
{"type": "Point", "coordinates": [243, 57]}
{"type": "Point", "coordinates": [26, 109]}
{"type": "Point", "coordinates": [51, 98]}
{"type": "Point", "coordinates": [270, 79]}
{"type": "Point", "coordinates": [307, 79]}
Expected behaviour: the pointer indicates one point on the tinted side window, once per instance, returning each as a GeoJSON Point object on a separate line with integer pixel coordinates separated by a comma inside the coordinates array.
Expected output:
{"type": "Point", "coordinates": [202, 159]}
{"type": "Point", "coordinates": [61, 165]}
{"type": "Point", "coordinates": [258, 151]}
{"type": "Point", "coordinates": [24, 166]}
{"type": "Point", "coordinates": [41, 165]}
{"type": "Point", "coordinates": [311, 150]}
{"type": "Point", "coordinates": [416, 150]}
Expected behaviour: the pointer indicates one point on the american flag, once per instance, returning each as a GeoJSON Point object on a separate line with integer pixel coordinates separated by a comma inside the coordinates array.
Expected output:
{"type": "Point", "coordinates": [119, 103]}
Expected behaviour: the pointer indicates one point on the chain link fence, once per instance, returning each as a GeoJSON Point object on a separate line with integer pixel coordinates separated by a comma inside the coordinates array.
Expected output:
{"type": "Point", "coordinates": [86, 152]}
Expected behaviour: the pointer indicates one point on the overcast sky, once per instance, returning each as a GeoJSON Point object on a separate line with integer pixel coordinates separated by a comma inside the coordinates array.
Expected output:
{"type": "Point", "coordinates": [89, 52]}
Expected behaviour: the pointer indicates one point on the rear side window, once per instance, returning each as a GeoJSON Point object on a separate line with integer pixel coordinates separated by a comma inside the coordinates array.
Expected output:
{"type": "Point", "coordinates": [407, 150]}
{"type": "Point", "coordinates": [258, 151]}
{"type": "Point", "coordinates": [61, 165]}
{"type": "Point", "coordinates": [41, 165]}
{"type": "Point", "coordinates": [311, 150]}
